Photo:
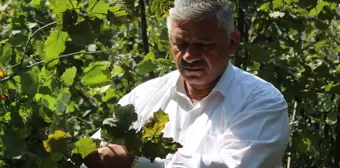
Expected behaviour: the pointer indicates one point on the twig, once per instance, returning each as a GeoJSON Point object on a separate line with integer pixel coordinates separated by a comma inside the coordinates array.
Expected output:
{"type": "Point", "coordinates": [29, 40]}
{"type": "Point", "coordinates": [24, 52]}
{"type": "Point", "coordinates": [82, 120]}
{"type": "Point", "coordinates": [289, 159]}
{"type": "Point", "coordinates": [94, 6]}
{"type": "Point", "coordinates": [41, 62]}
{"type": "Point", "coordinates": [71, 3]}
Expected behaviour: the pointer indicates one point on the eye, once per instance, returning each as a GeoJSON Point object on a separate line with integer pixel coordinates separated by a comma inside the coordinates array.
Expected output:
{"type": "Point", "coordinates": [181, 46]}
{"type": "Point", "coordinates": [205, 46]}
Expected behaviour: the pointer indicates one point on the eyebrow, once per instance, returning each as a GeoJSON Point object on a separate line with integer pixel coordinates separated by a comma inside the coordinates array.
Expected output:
{"type": "Point", "coordinates": [175, 36]}
{"type": "Point", "coordinates": [204, 40]}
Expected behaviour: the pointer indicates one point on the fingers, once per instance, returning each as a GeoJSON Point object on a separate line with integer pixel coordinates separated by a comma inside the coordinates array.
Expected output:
{"type": "Point", "coordinates": [93, 160]}
{"type": "Point", "coordinates": [110, 156]}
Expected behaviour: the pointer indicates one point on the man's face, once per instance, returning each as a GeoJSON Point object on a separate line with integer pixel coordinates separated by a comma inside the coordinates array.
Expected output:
{"type": "Point", "coordinates": [201, 49]}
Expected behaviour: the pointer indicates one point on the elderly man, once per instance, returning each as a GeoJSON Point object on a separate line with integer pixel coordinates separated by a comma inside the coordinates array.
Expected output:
{"type": "Point", "coordinates": [222, 115]}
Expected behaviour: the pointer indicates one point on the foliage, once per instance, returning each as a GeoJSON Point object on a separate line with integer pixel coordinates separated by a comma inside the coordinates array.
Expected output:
{"type": "Point", "coordinates": [294, 44]}
{"type": "Point", "coordinates": [147, 142]}
{"type": "Point", "coordinates": [82, 56]}
{"type": "Point", "coordinates": [56, 89]}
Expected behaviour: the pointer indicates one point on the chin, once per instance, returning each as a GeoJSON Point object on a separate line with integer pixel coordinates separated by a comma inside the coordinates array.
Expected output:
{"type": "Point", "coordinates": [195, 80]}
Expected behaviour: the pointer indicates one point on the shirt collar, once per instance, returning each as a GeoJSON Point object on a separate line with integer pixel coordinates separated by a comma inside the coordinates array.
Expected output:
{"type": "Point", "coordinates": [222, 85]}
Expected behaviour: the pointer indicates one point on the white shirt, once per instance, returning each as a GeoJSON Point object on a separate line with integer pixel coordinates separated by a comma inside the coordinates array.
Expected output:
{"type": "Point", "coordinates": [242, 123]}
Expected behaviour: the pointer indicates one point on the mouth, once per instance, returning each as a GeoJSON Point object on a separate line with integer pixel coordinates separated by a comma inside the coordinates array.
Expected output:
{"type": "Point", "coordinates": [193, 68]}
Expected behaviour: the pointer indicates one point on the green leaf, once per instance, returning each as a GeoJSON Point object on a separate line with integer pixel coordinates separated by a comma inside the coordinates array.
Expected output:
{"type": "Point", "coordinates": [333, 88]}
{"type": "Point", "coordinates": [56, 141]}
{"type": "Point", "coordinates": [35, 3]}
{"type": "Point", "coordinates": [318, 8]}
{"type": "Point", "coordinates": [338, 49]}
{"type": "Point", "coordinates": [49, 101]}
{"type": "Point", "coordinates": [56, 156]}
{"type": "Point", "coordinates": [109, 94]}
{"type": "Point", "coordinates": [29, 82]}
{"type": "Point", "coordinates": [46, 114]}
{"type": "Point", "coordinates": [13, 144]}
{"type": "Point", "coordinates": [121, 121]}
{"type": "Point", "coordinates": [146, 67]}
{"type": "Point", "coordinates": [6, 54]}
{"type": "Point", "coordinates": [125, 116]}
{"type": "Point", "coordinates": [320, 44]}
{"type": "Point", "coordinates": [84, 146]}
{"type": "Point", "coordinates": [60, 6]}
{"type": "Point", "coordinates": [150, 57]}
{"type": "Point", "coordinates": [332, 117]}
{"type": "Point", "coordinates": [68, 76]}
{"type": "Point", "coordinates": [155, 125]}
{"type": "Point", "coordinates": [46, 163]}
{"type": "Point", "coordinates": [97, 8]}
{"type": "Point", "coordinates": [96, 74]}
{"type": "Point", "coordinates": [54, 46]}
{"type": "Point", "coordinates": [117, 70]}
{"type": "Point", "coordinates": [277, 3]}
{"type": "Point", "coordinates": [307, 3]}
{"type": "Point", "coordinates": [338, 68]}
{"type": "Point", "coordinates": [89, 27]}
{"type": "Point", "coordinates": [64, 95]}
{"type": "Point", "coordinates": [258, 53]}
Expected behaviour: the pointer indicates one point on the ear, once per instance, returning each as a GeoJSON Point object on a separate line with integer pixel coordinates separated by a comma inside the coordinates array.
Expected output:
{"type": "Point", "coordinates": [234, 40]}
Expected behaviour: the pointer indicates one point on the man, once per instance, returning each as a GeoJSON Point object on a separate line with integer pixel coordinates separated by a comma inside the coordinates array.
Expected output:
{"type": "Point", "coordinates": [223, 116]}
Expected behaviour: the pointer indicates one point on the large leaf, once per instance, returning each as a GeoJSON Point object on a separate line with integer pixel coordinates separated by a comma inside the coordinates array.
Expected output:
{"type": "Point", "coordinates": [29, 82]}
{"type": "Point", "coordinates": [35, 3]}
{"type": "Point", "coordinates": [155, 125]}
{"type": "Point", "coordinates": [68, 76]}
{"type": "Point", "coordinates": [56, 141]}
{"type": "Point", "coordinates": [84, 146]}
{"type": "Point", "coordinates": [146, 67]}
{"type": "Point", "coordinates": [13, 144]}
{"type": "Point", "coordinates": [46, 163]}
{"type": "Point", "coordinates": [54, 46]}
{"type": "Point", "coordinates": [258, 53]}
{"type": "Point", "coordinates": [318, 8]}
{"type": "Point", "coordinates": [89, 27]}
{"type": "Point", "coordinates": [6, 54]}
{"type": "Point", "coordinates": [97, 8]}
{"type": "Point", "coordinates": [96, 73]}
{"type": "Point", "coordinates": [60, 6]}
{"type": "Point", "coordinates": [117, 70]}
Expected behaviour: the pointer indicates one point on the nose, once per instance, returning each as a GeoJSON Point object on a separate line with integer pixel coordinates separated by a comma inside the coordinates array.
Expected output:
{"type": "Point", "coordinates": [191, 54]}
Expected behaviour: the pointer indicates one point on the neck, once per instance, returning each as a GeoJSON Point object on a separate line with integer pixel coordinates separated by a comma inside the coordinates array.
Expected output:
{"type": "Point", "coordinates": [197, 92]}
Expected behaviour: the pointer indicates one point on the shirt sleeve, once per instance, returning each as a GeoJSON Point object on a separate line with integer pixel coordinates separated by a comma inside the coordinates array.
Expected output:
{"type": "Point", "coordinates": [256, 137]}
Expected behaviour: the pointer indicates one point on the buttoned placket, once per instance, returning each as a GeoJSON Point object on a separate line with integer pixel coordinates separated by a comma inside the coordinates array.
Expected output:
{"type": "Point", "coordinates": [188, 118]}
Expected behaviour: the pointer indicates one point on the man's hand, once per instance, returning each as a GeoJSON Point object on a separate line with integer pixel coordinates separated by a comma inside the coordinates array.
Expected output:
{"type": "Point", "coordinates": [110, 156]}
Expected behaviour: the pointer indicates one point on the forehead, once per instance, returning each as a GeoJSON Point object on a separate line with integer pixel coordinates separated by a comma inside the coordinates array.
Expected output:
{"type": "Point", "coordinates": [201, 29]}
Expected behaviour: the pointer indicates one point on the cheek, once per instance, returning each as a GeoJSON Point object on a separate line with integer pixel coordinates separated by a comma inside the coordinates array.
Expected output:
{"type": "Point", "coordinates": [176, 55]}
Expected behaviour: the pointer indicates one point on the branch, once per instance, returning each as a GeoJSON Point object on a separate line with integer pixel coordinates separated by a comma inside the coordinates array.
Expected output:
{"type": "Point", "coordinates": [41, 62]}
{"type": "Point", "coordinates": [24, 52]}
{"type": "Point", "coordinates": [29, 40]}
{"type": "Point", "coordinates": [144, 27]}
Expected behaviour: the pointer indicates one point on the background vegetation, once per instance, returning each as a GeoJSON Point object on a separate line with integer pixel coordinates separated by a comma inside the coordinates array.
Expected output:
{"type": "Point", "coordinates": [65, 64]}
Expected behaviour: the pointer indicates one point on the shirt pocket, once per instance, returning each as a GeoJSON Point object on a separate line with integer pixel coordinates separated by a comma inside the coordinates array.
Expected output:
{"type": "Point", "coordinates": [208, 144]}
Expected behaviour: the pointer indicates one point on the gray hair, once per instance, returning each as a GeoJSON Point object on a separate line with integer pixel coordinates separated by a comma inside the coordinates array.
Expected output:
{"type": "Point", "coordinates": [195, 9]}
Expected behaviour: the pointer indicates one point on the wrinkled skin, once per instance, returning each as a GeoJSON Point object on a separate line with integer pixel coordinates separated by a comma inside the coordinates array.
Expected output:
{"type": "Point", "coordinates": [201, 49]}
